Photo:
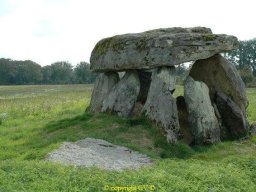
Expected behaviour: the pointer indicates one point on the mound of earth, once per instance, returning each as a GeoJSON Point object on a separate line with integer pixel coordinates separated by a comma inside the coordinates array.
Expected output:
{"type": "Point", "coordinates": [96, 152]}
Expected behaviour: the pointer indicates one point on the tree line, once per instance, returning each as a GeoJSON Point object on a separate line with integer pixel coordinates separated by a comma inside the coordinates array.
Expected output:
{"type": "Point", "coordinates": [28, 72]}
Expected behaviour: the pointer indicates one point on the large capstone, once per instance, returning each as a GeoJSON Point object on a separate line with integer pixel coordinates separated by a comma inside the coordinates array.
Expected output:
{"type": "Point", "coordinates": [232, 116]}
{"type": "Point", "coordinates": [103, 84]}
{"type": "Point", "coordinates": [203, 122]}
{"type": "Point", "coordinates": [156, 48]}
{"type": "Point", "coordinates": [122, 97]}
{"type": "Point", "coordinates": [160, 106]}
{"type": "Point", "coordinates": [221, 75]}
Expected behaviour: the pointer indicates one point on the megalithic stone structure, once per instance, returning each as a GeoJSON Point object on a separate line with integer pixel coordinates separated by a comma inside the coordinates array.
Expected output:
{"type": "Point", "coordinates": [213, 88]}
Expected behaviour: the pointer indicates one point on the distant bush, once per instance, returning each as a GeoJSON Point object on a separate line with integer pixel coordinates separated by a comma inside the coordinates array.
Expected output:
{"type": "Point", "coordinates": [252, 84]}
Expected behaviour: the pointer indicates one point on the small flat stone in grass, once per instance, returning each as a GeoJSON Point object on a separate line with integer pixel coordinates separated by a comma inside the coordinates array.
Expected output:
{"type": "Point", "coordinates": [96, 152]}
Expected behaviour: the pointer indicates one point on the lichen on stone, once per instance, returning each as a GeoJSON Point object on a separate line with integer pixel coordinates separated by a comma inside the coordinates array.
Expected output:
{"type": "Point", "coordinates": [141, 44]}
{"type": "Point", "coordinates": [115, 43]}
{"type": "Point", "coordinates": [209, 37]}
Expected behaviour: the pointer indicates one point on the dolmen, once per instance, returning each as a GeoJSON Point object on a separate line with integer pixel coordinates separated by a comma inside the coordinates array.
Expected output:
{"type": "Point", "coordinates": [136, 76]}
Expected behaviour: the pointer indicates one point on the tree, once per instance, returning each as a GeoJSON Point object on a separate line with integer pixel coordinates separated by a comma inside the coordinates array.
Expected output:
{"type": "Point", "coordinates": [83, 73]}
{"type": "Point", "coordinates": [182, 72]}
{"type": "Point", "coordinates": [8, 71]}
{"type": "Point", "coordinates": [251, 54]}
{"type": "Point", "coordinates": [181, 69]}
{"type": "Point", "coordinates": [62, 72]}
{"type": "Point", "coordinates": [47, 74]}
{"type": "Point", "coordinates": [28, 72]}
{"type": "Point", "coordinates": [246, 74]}
{"type": "Point", "coordinates": [244, 56]}
{"type": "Point", "coordinates": [19, 72]}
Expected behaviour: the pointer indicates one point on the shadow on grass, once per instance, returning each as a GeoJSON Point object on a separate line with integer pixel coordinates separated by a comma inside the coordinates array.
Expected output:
{"type": "Point", "coordinates": [136, 133]}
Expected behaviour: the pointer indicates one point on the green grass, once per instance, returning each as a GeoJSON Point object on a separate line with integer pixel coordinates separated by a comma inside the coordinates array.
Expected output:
{"type": "Point", "coordinates": [251, 110]}
{"type": "Point", "coordinates": [36, 119]}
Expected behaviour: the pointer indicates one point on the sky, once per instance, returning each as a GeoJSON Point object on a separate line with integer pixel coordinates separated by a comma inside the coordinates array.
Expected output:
{"type": "Point", "coordinates": [46, 31]}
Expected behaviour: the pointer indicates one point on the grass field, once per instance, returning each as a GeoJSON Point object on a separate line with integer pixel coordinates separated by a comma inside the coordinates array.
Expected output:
{"type": "Point", "coordinates": [36, 119]}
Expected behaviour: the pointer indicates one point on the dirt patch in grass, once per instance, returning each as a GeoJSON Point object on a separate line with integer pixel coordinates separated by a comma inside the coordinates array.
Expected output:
{"type": "Point", "coordinates": [96, 152]}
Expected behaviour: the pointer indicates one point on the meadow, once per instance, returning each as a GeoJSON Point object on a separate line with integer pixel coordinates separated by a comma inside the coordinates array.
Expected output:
{"type": "Point", "coordinates": [35, 120]}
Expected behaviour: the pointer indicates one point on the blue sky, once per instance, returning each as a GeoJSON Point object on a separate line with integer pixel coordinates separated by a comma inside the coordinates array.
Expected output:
{"type": "Point", "coordinates": [46, 31]}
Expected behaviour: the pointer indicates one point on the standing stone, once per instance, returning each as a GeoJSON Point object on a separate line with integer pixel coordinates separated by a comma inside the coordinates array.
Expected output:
{"type": "Point", "coordinates": [160, 106]}
{"type": "Point", "coordinates": [122, 97]}
{"type": "Point", "coordinates": [233, 119]}
{"type": "Point", "coordinates": [221, 75]}
{"type": "Point", "coordinates": [203, 121]}
{"type": "Point", "coordinates": [104, 83]}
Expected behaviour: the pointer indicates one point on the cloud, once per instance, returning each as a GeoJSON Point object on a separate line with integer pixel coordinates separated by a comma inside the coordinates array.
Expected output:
{"type": "Point", "coordinates": [50, 30]}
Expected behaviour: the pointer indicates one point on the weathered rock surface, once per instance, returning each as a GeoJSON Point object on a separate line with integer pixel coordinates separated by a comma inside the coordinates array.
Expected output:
{"type": "Point", "coordinates": [137, 110]}
{"type": "Point", "coordinates": [104, 83]}
{"type": "Point", "coordinates": [221, 75]}
{"type": "Point", "coordinates": [123, 95]}
{"type": "Point", "coordinates": [232, 116]}
{"type": "Point", "coordinates": [160, 106]}
{"type": "Point", "coordinates": [156, 48]}
{"type": "Point", "coordinates": [204, 124]}
{"type": "Point", "coordinates": [96, 152]}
